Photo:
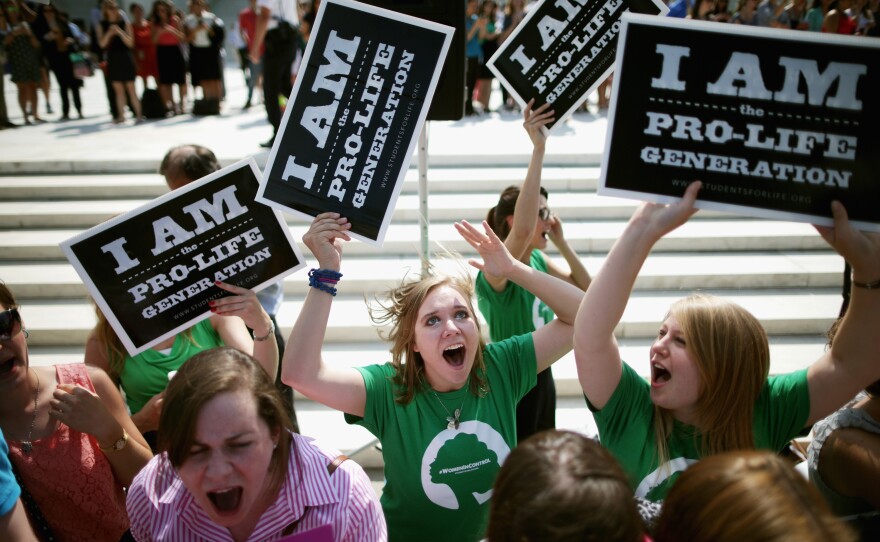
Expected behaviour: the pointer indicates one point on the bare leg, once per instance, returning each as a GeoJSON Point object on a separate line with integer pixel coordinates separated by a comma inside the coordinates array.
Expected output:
{"type": "Point", "coordinates": [23, 100]}
{"type": "Point", "coordinates": [135, 102]}
{"type": "Point", "coordinates": [119, 92]}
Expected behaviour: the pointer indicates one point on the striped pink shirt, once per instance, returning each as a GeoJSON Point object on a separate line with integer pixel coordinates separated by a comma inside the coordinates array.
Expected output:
{"type": "Point", "coordinates": [162, 509]}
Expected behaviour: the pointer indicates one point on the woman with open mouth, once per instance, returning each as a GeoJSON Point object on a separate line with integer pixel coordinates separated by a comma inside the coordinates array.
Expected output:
{"type": "Point", "coordinates": [709, 390]}
{"type": "Point", "coordinates": [524, 222]}
{"type": "Point", "coordinates": [232, 468]}
{"type": "Point", "coordinates": [444, 408]}
{"type": "Point", "coordinates": [70, 439]}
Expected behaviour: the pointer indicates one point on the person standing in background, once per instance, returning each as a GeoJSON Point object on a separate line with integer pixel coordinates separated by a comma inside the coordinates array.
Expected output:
{"type": "Point", "coordinates": [276, 30]}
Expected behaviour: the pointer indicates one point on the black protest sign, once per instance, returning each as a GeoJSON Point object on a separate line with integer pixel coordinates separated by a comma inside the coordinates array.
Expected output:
{"type": "Point", "coordinates": [152, 270]}
{"type": "Point", "coordinates": [350, 127]}
{"type": "Point", "coordinates": [563, 50]}
{"type": "Point", "coordinates": [776, 123]}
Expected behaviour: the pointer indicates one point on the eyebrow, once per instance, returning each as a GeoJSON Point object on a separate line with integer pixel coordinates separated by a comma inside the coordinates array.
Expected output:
{"type": "Point", "coordinates": [236, 436]}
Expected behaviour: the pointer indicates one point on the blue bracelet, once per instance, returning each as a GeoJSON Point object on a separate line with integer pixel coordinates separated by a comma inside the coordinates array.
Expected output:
{"type": "Point", "coordinates": [323, 278]}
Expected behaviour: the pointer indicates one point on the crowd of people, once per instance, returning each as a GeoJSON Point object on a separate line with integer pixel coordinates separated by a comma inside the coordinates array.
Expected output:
{"type": "Point", "coordinates": [196, 438]}
{"type": "Point", "coordinates": [176, 57]}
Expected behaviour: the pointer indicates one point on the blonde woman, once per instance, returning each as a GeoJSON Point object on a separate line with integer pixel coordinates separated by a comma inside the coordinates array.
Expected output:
{"type": "Point", "coordinates": [709, 390]}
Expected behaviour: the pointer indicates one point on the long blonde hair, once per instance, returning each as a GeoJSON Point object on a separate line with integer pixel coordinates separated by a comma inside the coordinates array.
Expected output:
{"type": "Point", "coordinates": [732, 354]}
{"type": "Point", "coordinates": [400, 307]}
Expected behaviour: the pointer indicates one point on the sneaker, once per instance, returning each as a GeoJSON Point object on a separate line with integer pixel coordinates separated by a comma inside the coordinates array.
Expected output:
{"type": "Point", "coordinates": [268, 144]}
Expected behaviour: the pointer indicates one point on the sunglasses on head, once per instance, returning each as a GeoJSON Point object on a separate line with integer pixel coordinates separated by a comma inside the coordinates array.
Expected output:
{"type": "Point", "coordinates": [10, 324]}
{"type": "Point", "coordinates": [544, 213]}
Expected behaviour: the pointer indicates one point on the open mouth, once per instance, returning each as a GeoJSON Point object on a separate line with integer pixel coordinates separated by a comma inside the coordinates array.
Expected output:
{"type": "Point", "coordinates": [454, 355]}
{"type": "Point", "coordinates": [6, 366]}
{"type": "Point", "coordinates": [226, 500]}
{"type": "Point", "coordinates": [659, 373]}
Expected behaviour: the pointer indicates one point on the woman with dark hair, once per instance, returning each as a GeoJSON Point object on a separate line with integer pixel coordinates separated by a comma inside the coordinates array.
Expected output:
{"type": "Point", "coordinates": [444, 407]}
{"type": "Point", "coordinates": [204, 32]}
{"type": "Point", "coordinates": [117, 39]}
{"type": "Point", "coordinates": [232, 469]}
{"type": "Point", "coordinates": [709, 390]}
{"type": "Point", "coordinates": [58, 42]}
{"type": "Point", "coordinates": [559, 486]}
{"type": "Point", "coordinates": [23, 51]}
{"type": "Point", "coordinates": [168, 36]}
{"type": "Point", "coordinates": [70, 439]}
{"type": "Point", "coordinates": [524, 222]}
{"type": "Point", "coordinates": [144, 48]}
{"type": "Point", "coordinates": [746, 495]}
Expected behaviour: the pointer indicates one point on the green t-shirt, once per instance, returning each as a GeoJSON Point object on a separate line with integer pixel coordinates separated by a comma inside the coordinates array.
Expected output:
{"type": "Point", "coordinates": [438, 481]}
{"type": "Point", "coordinates": [514, 310]}
{"type": "Point", "coordinates": [146, 374]}
{"type": "Point", "coordinates": [626, 428]}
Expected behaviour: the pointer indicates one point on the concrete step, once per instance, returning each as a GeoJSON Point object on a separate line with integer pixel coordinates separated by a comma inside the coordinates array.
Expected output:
{"type": "Point", "coordinates": [584, 237]}
{"type": "Point", "coordinates": [149, 184]}
{"type": "Point", "coordinates": [444, 208]}
{"type": "Point", "coordinates": [68, 322]}
{"type": "Point", "coordinates": [672, 271]}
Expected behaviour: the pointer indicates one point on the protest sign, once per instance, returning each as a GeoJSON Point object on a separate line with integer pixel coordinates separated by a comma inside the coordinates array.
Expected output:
{"type": "Point", "coordinates": [350, 127]}
{"type": "Point", "coordinates": [563, 50]}
{"type": "Point", "coordinates": [152, 270]}
{"type": "Point", "coordinates": [776, 123]}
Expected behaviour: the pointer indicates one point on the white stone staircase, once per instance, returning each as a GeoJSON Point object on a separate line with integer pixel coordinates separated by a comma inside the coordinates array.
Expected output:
{"type": "Point", "coordinates": [782, 272]}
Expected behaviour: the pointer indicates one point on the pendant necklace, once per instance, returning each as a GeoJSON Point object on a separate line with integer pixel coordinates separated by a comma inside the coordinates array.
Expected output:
{"type": "Point", "coordinates": [26, 445]}
{"type": "Point", "coordinates": [452, 420]}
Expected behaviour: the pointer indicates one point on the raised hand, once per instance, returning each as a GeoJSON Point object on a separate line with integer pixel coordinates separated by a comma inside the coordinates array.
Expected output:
{"type": "Point", "coordinates": [861, 249]}
{"type": "Point", "coordinates": [325, 237]}
{"type": "Point", "coordinates": [535, 120]}
{"type": "Point", "coordinates": [658, 219]}
{"type": "Point", "coordinates": [243, 304]}
{"type": "Point", "coordinates": [497, 260]}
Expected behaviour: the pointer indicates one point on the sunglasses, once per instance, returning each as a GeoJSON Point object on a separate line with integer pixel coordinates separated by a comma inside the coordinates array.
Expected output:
{"type": "Point", "coordinates": [10, 324]}
{"type": "Point", "coordinates": [544, 213]}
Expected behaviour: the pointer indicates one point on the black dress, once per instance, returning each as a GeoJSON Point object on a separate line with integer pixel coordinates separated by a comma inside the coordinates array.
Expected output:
{"type": "Point", "coordinates": [120, 60]}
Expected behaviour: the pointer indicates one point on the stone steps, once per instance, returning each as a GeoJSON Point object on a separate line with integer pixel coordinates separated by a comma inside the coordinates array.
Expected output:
{"type": "Point", "coordinates": [782, 272]}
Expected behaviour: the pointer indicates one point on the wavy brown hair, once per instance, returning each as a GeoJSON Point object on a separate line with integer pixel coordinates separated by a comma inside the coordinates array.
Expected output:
{"type": "Point", "coordinates": [399, 307]}
{"type": "Point", "coordinates": [746, 495]}
{"type": "Point", "coordinates": [497, 216]}
{"type": "Point", "coordinates": [732, 354]}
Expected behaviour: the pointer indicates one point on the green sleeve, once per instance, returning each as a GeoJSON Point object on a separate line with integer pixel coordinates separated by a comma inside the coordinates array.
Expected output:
{"type": "Point", "coordinates": [515, 362]}
{"type": "Point", "coordinates": [782, 410]}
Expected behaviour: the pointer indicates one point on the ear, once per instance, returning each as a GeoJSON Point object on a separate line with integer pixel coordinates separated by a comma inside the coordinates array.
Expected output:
{"type": "Point", "coordinates": [509, 220]}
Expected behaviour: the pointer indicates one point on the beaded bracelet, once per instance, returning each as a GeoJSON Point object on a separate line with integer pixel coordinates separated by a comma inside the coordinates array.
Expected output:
{"type": "Point", "coordinates": [322, 279]}
{"type": "Point", "coordinates": [867, 285]}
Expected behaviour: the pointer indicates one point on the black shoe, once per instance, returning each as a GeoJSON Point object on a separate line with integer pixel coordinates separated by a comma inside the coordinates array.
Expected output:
{"type": "Point", "coordinates": [268, 144]}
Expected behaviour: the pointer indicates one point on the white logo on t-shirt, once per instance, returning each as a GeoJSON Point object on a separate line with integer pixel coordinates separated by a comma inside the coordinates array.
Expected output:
{"type": "Point", "coordinates": [459, 466]}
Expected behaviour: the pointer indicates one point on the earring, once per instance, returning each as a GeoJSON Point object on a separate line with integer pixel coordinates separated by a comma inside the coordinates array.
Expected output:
{"type": "Point", "coordinates": [26, 334]}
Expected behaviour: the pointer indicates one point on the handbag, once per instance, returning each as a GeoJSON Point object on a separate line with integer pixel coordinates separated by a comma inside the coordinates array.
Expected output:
{"type": "Point", "coordinates": [82, 68]}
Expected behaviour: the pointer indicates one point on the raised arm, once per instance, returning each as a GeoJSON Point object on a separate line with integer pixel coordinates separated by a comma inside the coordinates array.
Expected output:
{"type": "Point", "coordinates": [303, 368]}
{"type": "Point", "coordinates": [577, 274]}
{"type": "Point", "coordinates": [245, 305]}
{"type": "Point", "coordinates": [851, 363]}
{"type": "Point", "coordinates": [553, 340]}
{"type": "Point", "coordinates": [525, 213]}
{"type": "Point", "coordinates": [595, 348]}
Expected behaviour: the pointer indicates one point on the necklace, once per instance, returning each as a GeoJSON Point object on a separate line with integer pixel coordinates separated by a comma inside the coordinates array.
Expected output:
{"type": "Point", "coordinates": [26, 445]}
{"type": "Point", "coordinates": [452, 420]}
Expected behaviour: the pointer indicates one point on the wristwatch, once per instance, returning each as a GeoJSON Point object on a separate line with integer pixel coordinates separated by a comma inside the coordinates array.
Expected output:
{"type": "Point", "coordinates": [118, 445]}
